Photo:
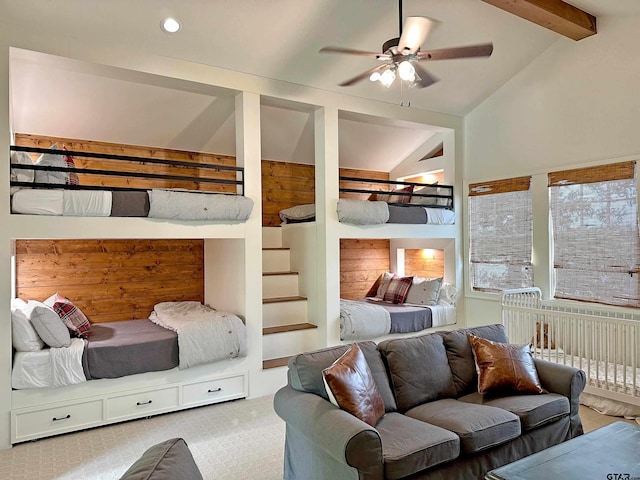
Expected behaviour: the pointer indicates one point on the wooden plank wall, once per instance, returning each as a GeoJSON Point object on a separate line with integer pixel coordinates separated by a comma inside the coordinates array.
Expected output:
{"type": "Point", "coordinates": [427, 263]}
{"type": "Point", "coordinates": [362, 261]}
{"type": "Point", "coordinates": [39, 141]}
{"type": "Point", "coordinates": [111, 280]}
{"type": "Point", "coordinates": [285, 185]}
{"type": "Point", "coordinates": [350, 172]}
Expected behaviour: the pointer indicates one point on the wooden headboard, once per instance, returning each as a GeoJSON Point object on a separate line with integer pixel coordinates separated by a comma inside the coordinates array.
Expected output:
{"type": "Point", "coordinates": [111, 280]}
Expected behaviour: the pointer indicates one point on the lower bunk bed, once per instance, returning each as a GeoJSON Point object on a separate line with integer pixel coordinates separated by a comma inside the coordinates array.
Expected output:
{"type": "Point", "coordinates": [413, 305]}
{"type": "Point", "coordinates": [604, 345]}
{"type": "Point", "coordinates": [119, 370]}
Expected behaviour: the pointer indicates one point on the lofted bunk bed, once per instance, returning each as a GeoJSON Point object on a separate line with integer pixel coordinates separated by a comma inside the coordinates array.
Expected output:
{"type": "Point", "coordinates": [96, 182]}
{"type": "Point", "coordinates": [110, 330]}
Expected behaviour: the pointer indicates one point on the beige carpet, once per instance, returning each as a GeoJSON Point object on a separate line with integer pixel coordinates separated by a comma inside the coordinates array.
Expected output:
{"type": "Point", "coordinates": [234, 440]}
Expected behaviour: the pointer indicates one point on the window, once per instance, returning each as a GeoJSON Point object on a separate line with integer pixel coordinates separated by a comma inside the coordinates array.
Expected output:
{"type": "Point", "coordinates": [500, 234]}
{"type": "Point", "coordinates": [596, 250]}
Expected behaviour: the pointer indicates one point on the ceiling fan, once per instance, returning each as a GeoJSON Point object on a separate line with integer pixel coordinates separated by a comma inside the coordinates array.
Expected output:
{"type": "Point", "coordinates": [400, 56]}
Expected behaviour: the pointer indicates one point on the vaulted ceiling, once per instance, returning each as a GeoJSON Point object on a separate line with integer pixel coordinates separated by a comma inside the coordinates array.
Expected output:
{"type": "Point", "coordinates": [280, 39]}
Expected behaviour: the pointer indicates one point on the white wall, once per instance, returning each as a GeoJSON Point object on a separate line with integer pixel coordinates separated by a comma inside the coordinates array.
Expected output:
{"type": "Point", "coordinates": [576, 104]}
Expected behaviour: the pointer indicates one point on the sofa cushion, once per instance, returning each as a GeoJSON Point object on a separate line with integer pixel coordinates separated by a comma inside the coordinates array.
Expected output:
{"type": "Point", "coordinates": [533, 410]}
{"type": "Point", "coordinates": [305, 371]}
{"type": "Point", "coordinates": [461, 361]}
{"type": "Point", "coordinates": [409, 445]}
{"type": "Point", "coordinates": [167, 460]}
{"type": "Point", "coordinates": [504, 366]}
{"type": "Point", "coordinates": [478, 426]}
{"type": "Point", "coordinates": [419, 369]}
{"type": "Point", "coordinates": [351, 387]}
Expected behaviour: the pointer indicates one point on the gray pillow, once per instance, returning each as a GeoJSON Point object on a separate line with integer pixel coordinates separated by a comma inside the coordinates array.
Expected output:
{"type": "Point", "coordinates": [424, 291]}
{"type": "Point", "coordinates": [48, 324]}
{"type": "Point", "coordinates": [168, 460]}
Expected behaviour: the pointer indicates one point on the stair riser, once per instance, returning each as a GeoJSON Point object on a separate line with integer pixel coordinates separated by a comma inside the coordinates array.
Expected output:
{"type": "Point", "coordinates": [279, 286]}
{"type": "Point", "coordinates": [275, 261]}
{"type": "Point", "coordinates": [271, 237]}
{"type": "Point", "coordinates": [289, 343]}
{"type": "Point", "coordinates": [284, 313]}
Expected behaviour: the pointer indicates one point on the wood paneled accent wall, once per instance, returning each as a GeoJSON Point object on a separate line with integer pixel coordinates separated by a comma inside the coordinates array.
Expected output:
{"type": "Point", "coordinates": [111, 280]}
{"type": "Point", "coordinates": [427, 263]}
{"type": "Point", "coordinates": [362, 261]}
{"type": "Point", "coordinates": [366, 174]}
{"type": "Point", "coordinates": [40, 141]}
{"type": "Point", "coordinates": [285, 185]}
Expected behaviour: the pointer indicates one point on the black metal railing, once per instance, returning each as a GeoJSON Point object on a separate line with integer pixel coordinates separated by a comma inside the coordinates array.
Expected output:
{"type": "Point", "coordinates": [443, 198]}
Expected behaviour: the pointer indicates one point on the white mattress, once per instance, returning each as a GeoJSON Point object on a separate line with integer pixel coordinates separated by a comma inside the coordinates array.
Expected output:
{"type": "Point", "coordinates": [50, 367]}
{"type": "Point", "coordinates": [86, 203]}
{"type": "Point", "coordinates": [440, 216]}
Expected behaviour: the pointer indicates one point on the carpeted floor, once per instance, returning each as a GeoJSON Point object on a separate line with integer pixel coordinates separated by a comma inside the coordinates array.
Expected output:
{"type": "Point", "coordinates": [234, 440]}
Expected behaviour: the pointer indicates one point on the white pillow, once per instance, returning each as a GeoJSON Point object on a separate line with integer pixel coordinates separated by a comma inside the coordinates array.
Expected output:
{"type": "Point", "coordinates": [448, 295]}
{"type": "Point", "coordinates": [51, 160]}
{"type": "Point", "coordinates": [19, 175]}
{"type": "Point", "coordinates": [424, 291]}
{"type": "Point", "coordinates": [298, 212]}
{"type": "Point", "coordinates": [24, 336]}
{"type": "Point", "coordinates": [48, 324]}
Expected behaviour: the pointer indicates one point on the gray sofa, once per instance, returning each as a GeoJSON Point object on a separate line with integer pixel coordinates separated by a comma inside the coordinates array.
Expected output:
{"type": "Point", "coordinates": [436, 425]}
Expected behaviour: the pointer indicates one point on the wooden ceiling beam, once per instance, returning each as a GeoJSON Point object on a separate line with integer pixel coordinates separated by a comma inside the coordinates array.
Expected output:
{"type": "Point", "coordinates": [555, 15]}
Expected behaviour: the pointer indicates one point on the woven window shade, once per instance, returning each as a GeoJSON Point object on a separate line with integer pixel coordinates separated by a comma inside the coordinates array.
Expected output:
{"type": "Point", "coordinates": [500, 234]}
{"type": "Point", "coordinates": [596, 248]}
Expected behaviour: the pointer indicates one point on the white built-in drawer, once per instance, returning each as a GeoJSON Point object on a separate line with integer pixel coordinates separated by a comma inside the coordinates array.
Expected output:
{"type": "Point", "coordinates": [51, 421]}
{"type": "Point", "coordinates": [142, 404]}
{"type": "Point", "coordinates": [212, 391]}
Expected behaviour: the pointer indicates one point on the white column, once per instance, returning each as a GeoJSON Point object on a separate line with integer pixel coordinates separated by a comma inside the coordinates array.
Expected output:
{"type": "Point", "coordinates": [542, 255]}
{"type": "Point", "coordinates": [328, 242]}
{"type": "Point", "coordinates": [6, 248]}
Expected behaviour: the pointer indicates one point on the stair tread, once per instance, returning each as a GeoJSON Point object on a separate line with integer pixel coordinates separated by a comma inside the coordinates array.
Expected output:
{"type": "Point", "coordinates": [288, 272]}
{"type": "Point", "coordinates": [283, 299]}
{"type": "Point", "coordinates": [294, 327]}
{"type": "Point", "coordinates": [275, 362]}
{"type": "Point", "coordinates": [276, 248]}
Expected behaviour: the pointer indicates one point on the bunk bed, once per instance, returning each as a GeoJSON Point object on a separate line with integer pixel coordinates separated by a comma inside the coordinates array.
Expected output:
{"type": "Point", "coordinates": [398, 305]}
{"type": "Point", "coordinates": [393, 202]}
{"type": "Point", "coordinates": [92, 184]}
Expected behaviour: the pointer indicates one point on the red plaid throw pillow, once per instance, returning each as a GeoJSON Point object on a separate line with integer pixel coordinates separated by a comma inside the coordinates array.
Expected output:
{"type": "Point", "coordinates": [76, 321]}
{"type": "Point", "coordinates": [72, 178]}
{"type": "Point", "coordinates": [397, 290]}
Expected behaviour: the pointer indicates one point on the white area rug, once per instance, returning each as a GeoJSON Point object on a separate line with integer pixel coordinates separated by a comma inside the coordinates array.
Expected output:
{"type": "Point", "coordinates": [233, 440]}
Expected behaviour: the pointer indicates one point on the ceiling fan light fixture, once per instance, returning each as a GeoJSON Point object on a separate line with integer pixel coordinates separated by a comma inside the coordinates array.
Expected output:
{"type": "Point", "coordinates": [375, 76]}
{"type": "Point", "coordinates": [406, 71]}
{"type": "Point", "coordinates": [170, 25]}
{"type": "Point", "coordinates": [387, 77]}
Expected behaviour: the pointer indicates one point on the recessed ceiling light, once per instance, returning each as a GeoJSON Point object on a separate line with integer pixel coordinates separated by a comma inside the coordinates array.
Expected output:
{"type": "Point", "coordinates": [170, 25]}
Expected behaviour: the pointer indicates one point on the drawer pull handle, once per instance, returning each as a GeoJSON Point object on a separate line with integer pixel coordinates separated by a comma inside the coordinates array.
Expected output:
{"type": "Point", "coordinates": [57, 419]}
{"type": "Point", "coordinates": [148, 402]}
{"type": "Point", "coordinates": [219, 389]}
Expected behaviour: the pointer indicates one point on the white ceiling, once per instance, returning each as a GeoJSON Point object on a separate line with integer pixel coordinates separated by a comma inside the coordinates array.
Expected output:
{"type": "Point", "coordinates": [277, 39]}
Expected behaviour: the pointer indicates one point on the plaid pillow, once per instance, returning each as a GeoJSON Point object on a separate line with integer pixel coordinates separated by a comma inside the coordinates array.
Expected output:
{"type": "Point", "coordinates": [397, 290]}
{"type": "Point", "coordinates": [72, 178]}
{"type": "Point", "coordinates": [76, 321]}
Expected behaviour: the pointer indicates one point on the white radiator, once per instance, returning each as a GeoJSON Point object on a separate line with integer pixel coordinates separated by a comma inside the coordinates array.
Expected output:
{"type": "Point", "coordinates": [606, 345]}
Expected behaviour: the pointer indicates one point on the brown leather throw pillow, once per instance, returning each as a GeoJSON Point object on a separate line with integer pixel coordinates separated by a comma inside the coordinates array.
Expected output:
{"type": "Point", "coordinates": [351, 387]}
{"type": "Point", "coordinates": [504, 366]}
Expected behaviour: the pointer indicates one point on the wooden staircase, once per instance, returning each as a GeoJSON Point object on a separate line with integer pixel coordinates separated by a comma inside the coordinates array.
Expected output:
{"type": "Point", "coordinates": [285, 328]}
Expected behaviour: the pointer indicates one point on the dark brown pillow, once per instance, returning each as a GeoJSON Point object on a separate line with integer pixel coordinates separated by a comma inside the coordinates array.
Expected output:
{"type": "Point", "coordinates": [351, 387]}
{"type": "Point", "coordinates": [504, 366]}
{"type": "Point", "coordinates": [374, 288]}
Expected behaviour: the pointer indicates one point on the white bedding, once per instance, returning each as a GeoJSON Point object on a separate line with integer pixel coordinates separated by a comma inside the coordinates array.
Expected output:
{"type": "Point", "coordinates": [38, 201]}
{"type": "Point", "coordinates": [86, 203]}
{"type": "Point", "coordinates": [363, 320]}
{"type": "Point", "coordinates": [204, 334]}
{"type": "Point", "coordinates": [440, 216]}
{"type": "Point", "coordinates": [50, 367]}
{"type": "Point", "coordinates": [362, 212]}
{"type": "Point", "coordinates": [184, 205]}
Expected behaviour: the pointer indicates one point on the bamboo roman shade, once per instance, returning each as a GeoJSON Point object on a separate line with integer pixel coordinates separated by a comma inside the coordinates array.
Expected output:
{"type": "Point", "coordinates": [596, 250]}
{"type": "Point", "coordinates": [500, 234]}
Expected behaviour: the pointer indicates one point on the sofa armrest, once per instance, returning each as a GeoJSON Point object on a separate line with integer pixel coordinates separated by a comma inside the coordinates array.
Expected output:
{"type": "Point", "coordinates": [567, 381]}
{"type": "Point", "coordinates": [337, 433]}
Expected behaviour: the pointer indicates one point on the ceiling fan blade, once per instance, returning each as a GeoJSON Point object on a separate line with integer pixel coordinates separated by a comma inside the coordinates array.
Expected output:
{"type": "Point", "coordinates": [363, 75]}
{"type": "Point", "coordinates": [414, 33]}
{"type": "Point", "coordinates": [426, 78]}
{"type": "Point", "coordinates": [351, 51]}
{"type": "Point", "coordinates": [469, 51]}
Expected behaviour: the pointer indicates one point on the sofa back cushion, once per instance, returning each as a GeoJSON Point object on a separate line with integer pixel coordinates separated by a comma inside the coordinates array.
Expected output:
{"type": "Point", "coordinates": [461, 361]}
{"type": "Point", "coordinates": [305, 371]}
{"type": "Point", "coordinates": [419, 369]}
